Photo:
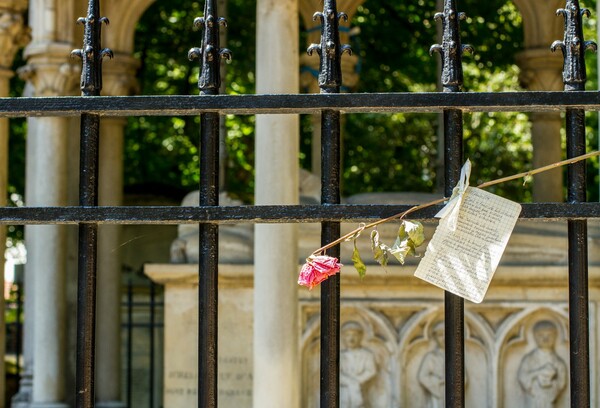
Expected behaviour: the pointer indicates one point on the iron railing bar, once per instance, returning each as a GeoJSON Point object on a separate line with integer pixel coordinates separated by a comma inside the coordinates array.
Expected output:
{"type": "Point", "coordinates": [578, 266]}
{"type": "Point", "coordinates": [454, 313]}
{"type": "Point", "coordinates": [209, 82]}
{"type": "Point", "coordinates": [144, 325]}
{"type": "Point", "coordinates": [261, 214]}
{"type": "Point", "coordinates": [91, 85]}
{"type": "Point", "coordinates": [330, 81]}
{"type": "Point", "coordinates": [87, 261]}
{"type": "Point", "coordinates": [451, 51]}
{"type": "Point", "coordinates": [430, 102]}
{"type": "Point", "coordinates": [573, 48]}
{"type": "Point", "coordinates": [130, 326]}
{"type": "Point", "coordinates": [208, 264]}
{"type": "Point", "coordinates": [152, 344]}
{"type": "Point", "coordinates": [330, 289]}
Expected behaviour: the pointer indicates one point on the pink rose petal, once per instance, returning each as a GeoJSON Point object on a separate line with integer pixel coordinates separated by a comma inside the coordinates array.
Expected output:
{"type": "Point", "coordinates": [317, 269]}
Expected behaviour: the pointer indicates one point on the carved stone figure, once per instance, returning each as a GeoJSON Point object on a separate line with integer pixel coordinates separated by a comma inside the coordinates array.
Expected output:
{"type": "Point", "coordinates": [357, 367]}
{"type": "Point", "coordinates": [431, 371]}
{"type": "Point", "coordinates": [542, 373]}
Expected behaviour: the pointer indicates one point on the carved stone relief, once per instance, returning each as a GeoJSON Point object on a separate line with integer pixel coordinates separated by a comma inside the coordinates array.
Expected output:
{"type": "Point", "coordinates": [366, 364]}
{"type": "Point", "coordinates": [392, 355]}
{"type": "Point", "coordinates": [422, 360]}
{"type": "Point", "coordinates": [534, 360]}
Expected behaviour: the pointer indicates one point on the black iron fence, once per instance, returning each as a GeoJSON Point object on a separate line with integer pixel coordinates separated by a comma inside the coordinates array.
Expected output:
{"type": "Point", "coordinates": [574, 101]}
{"type": "Point", "coordinates": [142, 326]}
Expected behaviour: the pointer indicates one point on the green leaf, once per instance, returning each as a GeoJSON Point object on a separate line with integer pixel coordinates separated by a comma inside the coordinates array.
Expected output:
{"type": "Point", "coordinates": [380, 250]}
{"type": "Point", "coordinates": [415, 232]}
{"type": "Point", "coordinates": [400, 252]}
{"type": "Point", "coordinates": [410, 236]}
{"type": "Point", "coordinates": [359, 265]}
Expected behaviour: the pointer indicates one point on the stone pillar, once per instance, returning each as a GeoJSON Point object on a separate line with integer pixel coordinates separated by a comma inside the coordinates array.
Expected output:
{"type": "Point", "coordinates": [23, 398]}
{"type": "Point", "coordinates": [5, 75]}
{"type": "Point", "coordinates": [276, 331]}
{"type": "Point", "coordinates": [13, 35]}
{"type": "Point", "coordinates": [119, 79]}
{"type": "Point", "coordinates": [50, 72]}
{"type": "Point", "coordinates": [542, 71]}
{"type": "Point", "coordinates": [108, 321]}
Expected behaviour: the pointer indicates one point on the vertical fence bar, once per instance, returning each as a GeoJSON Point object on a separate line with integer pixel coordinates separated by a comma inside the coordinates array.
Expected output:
{"type": "Point", "coordinates": [129, 342]}
{"type": "Point", "coordinates": [19, 320]}
{"type": "Point", "coordinates": [330, 80]}
{"type": "Point", "coordinates": [330, 289]}
{"type": "Point", "coordinates": [454, 315]}
{"type": "Point", "coordinates": [573, 48]}
{"type": "Point", "coordinates": [451, 51]}
{"type": "Point", "coordinates": [152, 323]}
{"type": "Point", "coordinates": [91, 84]}
{"type": "Point", "coordinates": [209, 81]}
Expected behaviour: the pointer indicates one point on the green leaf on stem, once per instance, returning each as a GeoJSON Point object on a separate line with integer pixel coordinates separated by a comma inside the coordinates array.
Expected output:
{"type": "Point", "coordinates": [359, 265]}
{"type": "Point", "coordinates": [410, 237]}
{"type": "Point", "coordinates": [380, 250]}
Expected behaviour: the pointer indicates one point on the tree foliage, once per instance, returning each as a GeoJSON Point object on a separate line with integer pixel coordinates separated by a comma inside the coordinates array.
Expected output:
{"type": "Point", "coordinates": [396, 152]}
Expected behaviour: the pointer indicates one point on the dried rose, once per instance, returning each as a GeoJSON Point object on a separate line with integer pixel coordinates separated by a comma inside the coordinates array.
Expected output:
{"type": "Point", "coordinates": [317, 269]}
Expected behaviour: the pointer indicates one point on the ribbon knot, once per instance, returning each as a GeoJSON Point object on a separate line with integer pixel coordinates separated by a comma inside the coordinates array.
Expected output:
{"type": "Point", "coordinates": [449, 213]}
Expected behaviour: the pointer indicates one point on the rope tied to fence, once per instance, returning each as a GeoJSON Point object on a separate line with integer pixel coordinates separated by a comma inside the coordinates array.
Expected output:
{"type": "Point", "coordinates": [526, 175]}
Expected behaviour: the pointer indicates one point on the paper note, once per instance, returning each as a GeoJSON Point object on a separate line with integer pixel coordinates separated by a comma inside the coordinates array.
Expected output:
{"type": "Point", "coordinates": [464, 253]}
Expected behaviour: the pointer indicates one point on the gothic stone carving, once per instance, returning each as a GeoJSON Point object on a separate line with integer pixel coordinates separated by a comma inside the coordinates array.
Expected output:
{"type": "Point", "coordinates": [392, 355]}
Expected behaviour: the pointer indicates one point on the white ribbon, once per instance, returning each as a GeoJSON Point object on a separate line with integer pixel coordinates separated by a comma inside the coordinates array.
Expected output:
{"type": "Point", "coordinates": [450, 211]}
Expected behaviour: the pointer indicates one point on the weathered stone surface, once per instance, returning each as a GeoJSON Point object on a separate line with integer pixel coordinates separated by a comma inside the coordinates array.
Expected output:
{"type": "Point", "coordinates": [181, 335]}
{"type": "Point", "coordinates": [396, 315]}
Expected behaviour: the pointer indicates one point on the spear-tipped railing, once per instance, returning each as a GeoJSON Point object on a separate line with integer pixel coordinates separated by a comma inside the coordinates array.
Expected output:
{"type": "Point", "coordinates": [330, 81]}
{"type": "Point", "coordinates": [451, 51]}
{"type": "Point", "coordinates": [209, 55]}
{"type": "Point", "coordinates": [91, 55]}
{"type": "Point", "coordinates": [573, 47]}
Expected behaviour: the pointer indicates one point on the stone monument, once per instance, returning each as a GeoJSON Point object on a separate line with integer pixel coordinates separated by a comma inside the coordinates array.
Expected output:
{"type": "Point", "coordinates": [516, 340]}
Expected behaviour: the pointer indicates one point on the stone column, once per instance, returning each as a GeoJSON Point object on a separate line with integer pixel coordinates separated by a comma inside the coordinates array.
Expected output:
{"type": "Point", "coordinates": [5, 75]}
{"type": "Point", "coordinates": [119, 79]}
{"type": "Point", "coordinates": [23, 398]}
{"type": "Point", "coordinates": [13, 35]}
{"type": "Point", "coordinates": [276, 330]}
{"type": "Point", "coordinates": [542, 71]}
{"type": "Point", "coordinates": [108, 322]}
{"type": "Point", "coordinates": [51, 73]}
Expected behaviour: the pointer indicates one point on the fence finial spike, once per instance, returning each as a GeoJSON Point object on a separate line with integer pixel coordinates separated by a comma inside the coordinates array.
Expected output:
{"type": "Point", "coordinates": [451, 49]}
{"type": "Point", "coordinates": [330, 50]}
{"type": "Point", "coordinates": [92, 52]}
{"type": "Point", "coordinates": [210, 53]}
{"type": "Point", "coordinates": [573, 46]}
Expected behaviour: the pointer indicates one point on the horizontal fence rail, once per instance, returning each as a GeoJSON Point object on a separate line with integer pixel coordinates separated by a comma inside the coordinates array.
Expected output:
{"type": "Point", "coordinates": [262, 214]}
{"type": "Point", "coordinates": [432, 102]}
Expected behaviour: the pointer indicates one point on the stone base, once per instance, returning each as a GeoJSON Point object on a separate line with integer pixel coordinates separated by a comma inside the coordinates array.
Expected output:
{"type": "Point", "coordinates": [396, 316]}
{"type": "Point", "coordinates": [22, 399]}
